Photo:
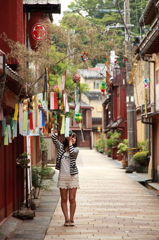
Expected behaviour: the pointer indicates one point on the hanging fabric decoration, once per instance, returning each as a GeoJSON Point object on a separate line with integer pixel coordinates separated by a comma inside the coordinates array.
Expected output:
{"type": "Point", "coordinates": [103, 86]}
{"type": "Point", "coordinates": [63, 81]}
{"type": "Point", "coordinates": [25, 115]}
{"type": "Point", "coordinates": [34, 106]}
{"type": "Point", "coordinates": [53, 101]}
{"type": "Point", "coordinates": [65, 101]}
{"type": "Point", "coordinates": [80, 126]}
{"type": "Point", "coordinates": [21, 118]}
{"type": "Point", "coordinates": [16, 112]}
{"type": "Point", "coordinates": [42, 118]}
{"type": "Point", "coordinates": [15, 128]}
{"type": "Point", "coordinates": [31, 120]}
{"type": "Point", "coordinates": [67, 127]}
{"type": "Point", "coordinates": [9, 134]}
{"type": "Point", "coordinates": [6, 136]}
{"type": "Point", "coordinates": [12, 127]}
{"type": "Point", "coordinates": [63, 125]}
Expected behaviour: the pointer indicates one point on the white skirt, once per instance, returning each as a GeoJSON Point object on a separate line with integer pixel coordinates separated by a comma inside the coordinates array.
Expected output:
{"type": "Point", "coordinates": [68, 181]}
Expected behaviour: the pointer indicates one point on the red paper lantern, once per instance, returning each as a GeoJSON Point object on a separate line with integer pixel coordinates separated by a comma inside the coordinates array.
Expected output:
{"type": "Point", "coordinates": [37, 31]}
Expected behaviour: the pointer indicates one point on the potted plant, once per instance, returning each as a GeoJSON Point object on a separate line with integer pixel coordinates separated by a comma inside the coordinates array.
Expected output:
{"type": "Point", "coordinates": [108, 152]}
{"type": "Point", "coordinates": [141, 160]}
{"type": "Point", "coordinates": [112, 142]}
{"type": "Point", "coordinates": [123, 152]}
{"type": "Point", "coordinates": [23, 159]}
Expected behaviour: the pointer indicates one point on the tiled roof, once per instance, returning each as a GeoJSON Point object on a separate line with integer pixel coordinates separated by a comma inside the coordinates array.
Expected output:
{"type": "Point", "coordinates": [99, 72]}
{"type": "Point", "coordinates": [93, 95]}
{"type": "Point", "coordinates": [83, 104]}
{"type": "Point", "coordinates": [41, 1]}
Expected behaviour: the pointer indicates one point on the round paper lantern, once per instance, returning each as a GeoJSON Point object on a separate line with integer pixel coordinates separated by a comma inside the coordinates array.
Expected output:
{"type": "Point", "coordinates": [78, 117]}
{"type": "Point", "coordinates": [76, 77]}
{"type": "Point", "coordinates": [103, 86]}
{"type": "Point", "coordinates": [37, 31]}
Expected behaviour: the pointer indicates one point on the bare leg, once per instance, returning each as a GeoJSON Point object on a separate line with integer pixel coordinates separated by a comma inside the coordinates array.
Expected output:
{"type": "Point", "coordinates": [64, 196]}
{"type": "Point", "coordinates": [72, 200]}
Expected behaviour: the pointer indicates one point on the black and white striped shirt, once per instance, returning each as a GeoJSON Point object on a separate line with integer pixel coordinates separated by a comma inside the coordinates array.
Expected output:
{"type": "Point", "coordinates": [60, 151]}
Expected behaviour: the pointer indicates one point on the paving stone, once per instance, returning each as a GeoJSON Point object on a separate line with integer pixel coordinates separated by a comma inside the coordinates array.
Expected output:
{"type": "Point", "coordinates": [110, 205]}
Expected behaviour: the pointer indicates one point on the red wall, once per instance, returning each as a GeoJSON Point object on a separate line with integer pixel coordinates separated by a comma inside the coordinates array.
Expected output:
{"type": "Point", "coordinates": [11, 178]}
{"type": "Point", "coordinates": [11, 22]}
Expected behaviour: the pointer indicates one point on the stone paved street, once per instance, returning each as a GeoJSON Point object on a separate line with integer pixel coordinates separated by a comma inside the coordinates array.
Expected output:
{"type": "Point", "coordinates": [110, 205]}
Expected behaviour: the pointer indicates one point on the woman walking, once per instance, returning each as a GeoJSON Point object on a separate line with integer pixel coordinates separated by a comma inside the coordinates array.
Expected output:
{"type": "Point", "coordinates": [68, 175]}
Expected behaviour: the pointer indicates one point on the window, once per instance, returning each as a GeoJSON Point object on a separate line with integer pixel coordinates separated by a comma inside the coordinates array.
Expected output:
{"type": "Point", "coordinates": [96, 85]}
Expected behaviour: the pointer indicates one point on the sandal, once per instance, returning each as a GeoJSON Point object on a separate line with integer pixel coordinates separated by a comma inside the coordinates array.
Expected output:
{"type": "Point", "coordinates": [72, 224]}
{"type": "Point", "coordinates": [67, 224]}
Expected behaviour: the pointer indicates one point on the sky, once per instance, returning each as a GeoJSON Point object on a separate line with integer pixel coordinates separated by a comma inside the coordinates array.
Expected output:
{"type": "Point", "coordinates": [64, 4]}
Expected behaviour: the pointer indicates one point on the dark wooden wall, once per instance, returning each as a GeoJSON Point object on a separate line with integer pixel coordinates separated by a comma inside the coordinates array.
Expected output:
{"type": "Point", "coordinates": [11, 177]}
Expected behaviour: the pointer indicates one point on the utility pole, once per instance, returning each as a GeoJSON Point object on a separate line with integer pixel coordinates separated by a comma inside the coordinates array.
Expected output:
{"type": "Point", "coordinates": [130, 90]}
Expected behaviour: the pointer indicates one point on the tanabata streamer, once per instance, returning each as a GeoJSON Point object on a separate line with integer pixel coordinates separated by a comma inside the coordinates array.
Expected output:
{"type": "Point", "coordinates": [16, 112]}
{"type": "Point", "coordinates": [21, 118]}
{"type": "Point", "coordinates": [67, 127]}
{"type": "Point", "coordinates": [63, 125]}
{"type": "Point", "coordinates": [53, 101]}
{"type": "Point", "coordinates": [6, 136]}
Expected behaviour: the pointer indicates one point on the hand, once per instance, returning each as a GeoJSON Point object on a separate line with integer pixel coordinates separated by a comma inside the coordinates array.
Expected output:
{"type": "Point", "coordinates": [69, 140]}
{"type": "Point", "coordinates": [53, 131]}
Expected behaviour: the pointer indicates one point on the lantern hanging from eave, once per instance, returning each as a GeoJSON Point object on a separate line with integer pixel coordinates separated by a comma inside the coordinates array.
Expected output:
{"type": "Point", "coordinates": [103, 86]}
{"type": "Point", "coordinates": [37, 30]}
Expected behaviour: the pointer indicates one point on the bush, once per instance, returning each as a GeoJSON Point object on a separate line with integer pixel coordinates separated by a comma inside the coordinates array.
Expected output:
{"type": "Point", "coordinates": [143, 145]}
{"type": "Point", "coordinates": [141, 158]}
{"type": "Point", "coordinates": [123, 147]}
{"type": "Point", "coordinates": [113, 140]}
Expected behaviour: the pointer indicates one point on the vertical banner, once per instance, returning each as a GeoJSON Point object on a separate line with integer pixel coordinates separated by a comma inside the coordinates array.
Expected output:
{"type": "Point", "coordinates": [67, 127]}
{"type": "Point", "coordinates": [16, 112]}
{"type": "Point", "coordinates": [21, 118]}
{"type": "Point", "coordinates": [63, 81]}
{"type": "Point", "coordinates": [53, 101]}
{"type": "Point", "coordinates": [63, 125]}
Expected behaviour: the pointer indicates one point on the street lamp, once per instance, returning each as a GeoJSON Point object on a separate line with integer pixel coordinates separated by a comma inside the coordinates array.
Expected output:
{"type": "Point", "coordinates": [2, 64]}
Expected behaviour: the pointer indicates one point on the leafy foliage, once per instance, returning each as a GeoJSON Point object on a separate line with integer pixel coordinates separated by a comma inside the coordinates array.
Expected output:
{"type": "Point", "coordinates": [113, 140]}
{"type": "Point", "coordinates": [101, 143]}
{"type": "Point", "coordinates": [140, 158]}
{"type": "Point", "coordinates": [143, 145]}
{"type": "Point", "coordinates": [123, 147]}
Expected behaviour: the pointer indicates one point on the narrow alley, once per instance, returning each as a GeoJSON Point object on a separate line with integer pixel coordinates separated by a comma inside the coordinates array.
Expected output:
{"type": "Point", "coordinates": [110, 205]}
